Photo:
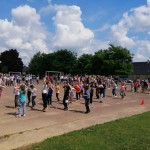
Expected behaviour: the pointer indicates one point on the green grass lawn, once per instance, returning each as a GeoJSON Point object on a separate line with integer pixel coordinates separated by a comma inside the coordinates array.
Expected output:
{"type": "Point", "coordinates": [132, 133]}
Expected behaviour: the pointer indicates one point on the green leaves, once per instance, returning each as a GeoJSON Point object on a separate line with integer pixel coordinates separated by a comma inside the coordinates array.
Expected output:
{"type": "Point", "coordinates": [10, 61]}
{"type": "Point", "coordinates": [62, 60]}
{"type": "Point", "coordinates": [115, 60]}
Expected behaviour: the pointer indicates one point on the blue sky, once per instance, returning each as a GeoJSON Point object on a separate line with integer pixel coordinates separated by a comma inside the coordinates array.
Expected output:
{"type": "Point", "coordinates": [83, 26]}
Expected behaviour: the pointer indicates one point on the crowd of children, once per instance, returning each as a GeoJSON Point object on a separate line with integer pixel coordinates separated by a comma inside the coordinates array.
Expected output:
{"type": "Point", "coordinates": [76, 87]}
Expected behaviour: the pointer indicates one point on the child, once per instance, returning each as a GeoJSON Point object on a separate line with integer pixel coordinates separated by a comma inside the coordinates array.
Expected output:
{"type": "Point", "coordinates": [122, 91]}
{"type": "Point", "coordinates": [114, 88]}
{"type": "Point", "coordinates": [78, 91]}
{"type": "Point", "coordinates": [37, 79]}
{"type": "Point", "coordinates": [29, 94]}
{"type": "Point", "coordinates": [71, 93]}
{"type": "Point", "coordinates": [50, 92]}
{"type": "Point", "coordinates": [34, 93]}
{"type": "Point", "coordinates": [86, 96]}
{"type": "Point", "coordinates": [91, 95]}
{"type": "Point", "coordinates": [1, 89]}
{"type": "Point", "coordinates": [44, 95]}
{"type": "Point", "coordinates": [97, 90]}
{"type": "Point", "coordinates": [101, 91]}
{"type": "Point", "coordinates": [57, 90]}
{"type": "Point", "coordinates": [16, 92]}
{"type": "Point", "coordinates": [22, 101]}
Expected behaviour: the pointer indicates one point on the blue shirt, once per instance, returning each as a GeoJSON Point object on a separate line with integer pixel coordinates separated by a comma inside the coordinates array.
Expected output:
{"type": "Point", "coordinates": [50, 91]}
{"type": "Point", "coordinates": [86, 93]}
{"type": "Point", "coordinates": [23, 96]}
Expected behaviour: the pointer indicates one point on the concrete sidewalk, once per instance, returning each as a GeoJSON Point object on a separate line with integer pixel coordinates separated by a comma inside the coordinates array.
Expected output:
{"type": "Point", "coordinates": [37, 125]}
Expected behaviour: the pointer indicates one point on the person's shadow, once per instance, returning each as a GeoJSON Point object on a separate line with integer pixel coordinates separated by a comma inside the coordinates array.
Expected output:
{"type": "Point", "coordinates": [10, 107]}
{"type": "Point", "coordinates": [77, 111]}
{"type": "Point", "coordinates": [12, 113]}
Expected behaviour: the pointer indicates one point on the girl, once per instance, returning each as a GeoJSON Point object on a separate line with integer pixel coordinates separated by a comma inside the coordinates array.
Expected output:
{"type": "Point", "coordinates": [82, 88]}
{"type": "Point", "coordinates": [1, 89]}
{"type": "Point", "coordinates": [57, 90]}
{"type": "Point", "coordinates": [29, 94]}
{"type": "Point", "coordinates": [1, 85]}
{"type": "Point", "coordinates": [34, 93]}
{"type": "Point", "coordinates": [16, 92]}
{"type": "Point", "coordinates": [114, 88]}
{"type": "Point", "coordinates": [22, 101]}
{"type": "Point", "coordinates": [97, 91]}
{"type": "Point", "coordinates": [86, 96]}
{"type": "Point", "coordinates": [78, 91]}
{"type": "Point", "coordinates": [71, 93]}
{"type": "Point", "coordinates": [91, 95]}
{"type": "Point", "coordinates": [44, 95]}
{"type": "Point", "coordinates": [101, 91]}
{"type": "Point", "coordinates": [50, 92]}
{"type": "Point", "coordinates": [122, 91]}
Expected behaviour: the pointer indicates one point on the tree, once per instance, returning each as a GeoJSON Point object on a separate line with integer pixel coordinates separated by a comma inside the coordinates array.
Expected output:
{"type": "Point", "coordinates": [120, 59]}
{"type": "Point", "coordinates": [10, 61]}
{"type": "Point", "coordinates": [112, 61]}
{"type": "Point", "coordinates": [97, 63]}
{"type": "Point", "coordinates": [36, 64]}
{"type": "Point", "coordinates": [84, 64]}
{"type": "Point", "coordinates": [65, 61]}
{"type": "Point", "coordinates": [115, 60]}
{"type": "Point", "coordinates": [61, 60]}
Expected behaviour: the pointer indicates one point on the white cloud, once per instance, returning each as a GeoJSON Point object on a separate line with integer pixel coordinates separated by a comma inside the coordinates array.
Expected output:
{"type": "Point", "coordinates": [24, 33]}
{"type": "Point", "coordinates": [105, 27]}
{"type": "Point", "coordinates": [137, 21]}
{"type": "Point", "coordinates": [143, 51]}
{"type": "Point", "coordinates": [70, 31]}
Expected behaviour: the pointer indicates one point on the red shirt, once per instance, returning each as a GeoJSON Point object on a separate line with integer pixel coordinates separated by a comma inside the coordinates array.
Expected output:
{"type": "Point", "coordinates": [77, 88]}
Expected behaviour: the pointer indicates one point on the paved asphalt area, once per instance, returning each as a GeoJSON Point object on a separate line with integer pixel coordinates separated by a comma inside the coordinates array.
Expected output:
{"type": "Point", "coordinates": [37, 125]}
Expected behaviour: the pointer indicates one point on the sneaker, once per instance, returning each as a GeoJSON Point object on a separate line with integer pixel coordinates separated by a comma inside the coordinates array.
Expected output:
{"type": "Point", "coordinates": [50, 105]}
{"type": "Point", "coordinates": [65, 109]}
{"type": "Point", "coordinates": [24, 115]}
{"type": "Point", "coordinates": [91, 106]}
{"type": "Point", "coordinates": [18, 115]}
{"type": "Point", "coordinates": [101, 101]}
{"type": "Point", "coordinates": [44, 109]}
{"type": "Point", "coordinates": [87, 112]}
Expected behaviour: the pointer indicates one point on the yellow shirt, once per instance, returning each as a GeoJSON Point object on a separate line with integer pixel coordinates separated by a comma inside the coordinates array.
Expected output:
{"type": "Point", "coordinates": [57, 89]}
